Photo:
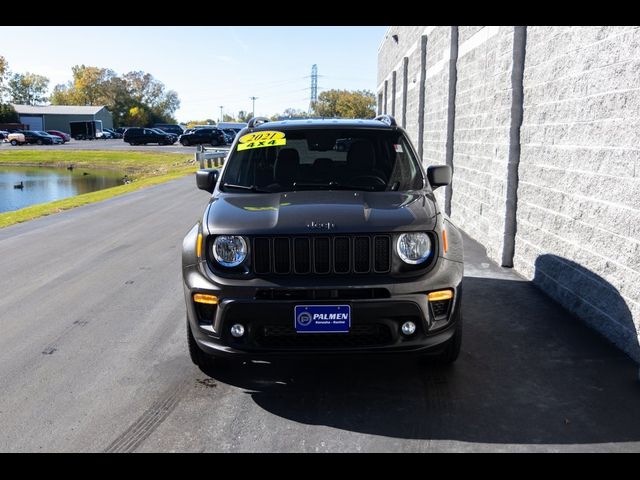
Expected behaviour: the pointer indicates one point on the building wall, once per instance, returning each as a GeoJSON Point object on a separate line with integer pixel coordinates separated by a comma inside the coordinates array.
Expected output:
{"type": "Point", "coordinates": [106, 117]}
{"type": "Point", "coordinates": [541, 126]}
{"type": "Point", "coordinates": [579, 192]}
{"type": "Point", "coordinates": [61, 122]}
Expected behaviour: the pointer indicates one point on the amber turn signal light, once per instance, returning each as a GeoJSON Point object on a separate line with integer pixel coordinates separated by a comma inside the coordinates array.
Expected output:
{"type": "Point", "coordinates": [199, 246]}
{"type": "Point", "coordinates": [204, 298]}
{"type": "Point", "coordinates": [445, 244]}
{"type": "Point", "coordinates": [440, 295]}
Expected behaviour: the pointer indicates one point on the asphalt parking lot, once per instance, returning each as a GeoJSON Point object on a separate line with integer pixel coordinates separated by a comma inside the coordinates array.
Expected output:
{"type": "Point", "coordinates": [108, 145]}
{"type": "Point", "coordinates": [93, 357]}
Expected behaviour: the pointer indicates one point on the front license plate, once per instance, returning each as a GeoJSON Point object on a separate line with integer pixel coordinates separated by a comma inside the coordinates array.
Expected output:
{"type": "Point", "coordinates": [322, 318]}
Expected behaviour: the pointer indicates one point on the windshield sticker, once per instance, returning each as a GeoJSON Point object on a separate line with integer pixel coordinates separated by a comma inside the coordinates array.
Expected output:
{"type": "Point", "coordinates": [398, 148]}
{"type": "Point", "coordinates": [261, 140]}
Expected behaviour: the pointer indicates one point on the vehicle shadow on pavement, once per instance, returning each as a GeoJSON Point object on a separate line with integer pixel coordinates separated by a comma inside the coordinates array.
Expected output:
{"type": "Point", "coordinates": [529, 373]}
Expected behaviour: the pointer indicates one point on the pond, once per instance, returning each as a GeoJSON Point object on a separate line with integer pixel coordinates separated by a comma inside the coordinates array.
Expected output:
{"type": "Point", "coordinates": [45, 184]}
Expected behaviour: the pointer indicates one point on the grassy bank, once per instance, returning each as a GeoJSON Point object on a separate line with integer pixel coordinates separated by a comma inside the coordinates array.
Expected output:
{"type": "Point", "coordinates": [143, 169]}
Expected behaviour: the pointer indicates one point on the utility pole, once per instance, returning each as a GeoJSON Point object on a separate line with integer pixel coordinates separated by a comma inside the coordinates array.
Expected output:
{"type": "Point", "coordinates": [253, 109]}
{"type": "Point", "coordinates": [314, 87]}
{"type": "Point", "coordinates": [221, 117]}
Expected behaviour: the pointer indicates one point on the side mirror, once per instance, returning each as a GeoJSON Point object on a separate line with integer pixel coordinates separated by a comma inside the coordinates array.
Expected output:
{"type": "Point", "coordinates": [439, 175]}
{"type": "Point", "coordinates": [207, 178]}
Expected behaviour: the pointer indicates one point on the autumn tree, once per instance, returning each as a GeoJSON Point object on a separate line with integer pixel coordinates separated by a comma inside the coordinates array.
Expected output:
{"type": "Point", "coordinates": [135, 98]}
{"type": "Point", "coordinates": [345, 104]}
{"type": "Point", "coordinates": [28, 88]}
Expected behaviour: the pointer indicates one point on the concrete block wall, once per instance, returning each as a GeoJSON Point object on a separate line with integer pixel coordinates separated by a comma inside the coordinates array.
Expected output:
{"type": "Point", "coordinates": [481, 139]}
{"type": "Point", "coordinates": [436, 99]}
{"type": "Point", "coordinates": [578, 213]}
{"type": "Point", "coordinates": [547, 163]}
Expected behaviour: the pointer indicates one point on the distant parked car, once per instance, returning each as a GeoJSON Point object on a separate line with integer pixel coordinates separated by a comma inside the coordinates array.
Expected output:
{"type": "Point", "coordinates": [142, 136]}
{"type": "Point", "coordinates": [199, 136]}
{"type": "Point", "coordinates": [40, 138]}
{"type": "Point", "coordinates": [64, 136]}
{"type": "Point", "coordinates": [121, 130]}
{"type": "Point", "coordinates": [113, 133]}
{"type": "Point", "coordinates": [106, 134]}
{"type": "Point", "coordinates": [16, 138]}
{"type": "Point", "coordinates": [174, 137]}
{"type": "Point", "coordinates": [3, 135]}
{"type": "Point", "coordinates": [56, 139]}
{"type": "Point", "coordinates": [230, 134]}
{"type": "Point", "coordinates": [170, 128]}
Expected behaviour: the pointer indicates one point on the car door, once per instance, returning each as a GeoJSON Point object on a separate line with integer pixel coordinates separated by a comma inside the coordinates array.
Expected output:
{"type": "Point", "coordinates": [150, 136]}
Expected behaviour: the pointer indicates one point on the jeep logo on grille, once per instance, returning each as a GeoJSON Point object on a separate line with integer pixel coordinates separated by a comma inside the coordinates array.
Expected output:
{"type": "Point", "coordinates": [321, 226]}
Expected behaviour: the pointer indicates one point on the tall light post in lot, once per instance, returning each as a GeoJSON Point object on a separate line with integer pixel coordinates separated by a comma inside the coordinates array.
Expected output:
{"type": "Point", "coordinates": [253, 109]}
{"type": "Point", "coordinates": [221, 117]}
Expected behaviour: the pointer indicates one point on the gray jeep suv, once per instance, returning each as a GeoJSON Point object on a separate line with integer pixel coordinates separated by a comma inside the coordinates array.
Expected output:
{"type": "Point", "coordinates": [322, 237]}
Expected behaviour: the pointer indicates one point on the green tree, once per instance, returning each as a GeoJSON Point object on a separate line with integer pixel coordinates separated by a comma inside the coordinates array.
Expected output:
{"type": "Point", "coordinates": [8, 114]}
{"type": "Point", "coordinates": [346, 104]}
{"type": "Point", "coordinates": [290, 113]}
{"type": "Point", "coordinates": [4, 78]}
{"type": "Point", "coordinates": [28, 88]}
{"type": "Point", "coordinates": [244, 116]}
{"type": "Point", "coordinates": [193, 123]}
{"type": "Point", "coordinates": [137, 117]}
{"type": "Point", "coordinates": [228, 118]}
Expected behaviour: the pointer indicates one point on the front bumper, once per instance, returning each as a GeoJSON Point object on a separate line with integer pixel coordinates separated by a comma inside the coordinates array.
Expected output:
{"type": "Point", "coordinates": [266, 309]}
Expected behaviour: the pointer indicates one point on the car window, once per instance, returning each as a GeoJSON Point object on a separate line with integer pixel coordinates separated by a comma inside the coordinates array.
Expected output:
{"type": "Point", "coordinates": [358, 159]}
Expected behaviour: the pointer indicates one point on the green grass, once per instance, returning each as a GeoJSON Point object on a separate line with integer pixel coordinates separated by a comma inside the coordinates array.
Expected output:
{"type": "Point", "coordinates": [144, 169]}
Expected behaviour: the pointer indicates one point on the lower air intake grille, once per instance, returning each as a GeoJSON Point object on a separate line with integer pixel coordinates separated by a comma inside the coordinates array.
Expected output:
{"type": "Point", "coordinates": [281, 336]}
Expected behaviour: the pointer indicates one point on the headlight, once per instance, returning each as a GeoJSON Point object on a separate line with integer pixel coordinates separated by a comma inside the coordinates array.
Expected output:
{"type": "Point", "coordinates": [414, 248]}
{"type": "Point", "coordinates": [229, 250]}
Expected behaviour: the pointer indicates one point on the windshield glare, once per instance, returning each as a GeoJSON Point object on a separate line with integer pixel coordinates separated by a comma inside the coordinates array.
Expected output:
{"type": "Point", "coordinates": [370, 160]}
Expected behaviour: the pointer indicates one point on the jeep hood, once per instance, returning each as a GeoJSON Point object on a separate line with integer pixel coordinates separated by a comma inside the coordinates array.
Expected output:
{"type": "Point", "coordinates": [331, 212]}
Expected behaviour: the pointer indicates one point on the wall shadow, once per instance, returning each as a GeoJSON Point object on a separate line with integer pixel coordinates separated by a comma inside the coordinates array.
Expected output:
{"type": "Point", "coordinates": [596, 302]}
{"type": "Point", "coordinates": [529, 373]}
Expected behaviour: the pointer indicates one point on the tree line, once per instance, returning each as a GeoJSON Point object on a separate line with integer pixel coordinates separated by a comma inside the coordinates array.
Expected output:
{"type": "Point", "coordinates": [138, 99]}
{"type": "Point", "coordinates": [134, 99]}
{"type": "Point", "coordinates": [330, 104]}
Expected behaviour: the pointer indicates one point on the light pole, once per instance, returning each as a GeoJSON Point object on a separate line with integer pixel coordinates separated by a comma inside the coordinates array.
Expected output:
{"type": "Point", "coordinates": [253, 109]}
{"type": "Point", "coordinates": [221, 117]}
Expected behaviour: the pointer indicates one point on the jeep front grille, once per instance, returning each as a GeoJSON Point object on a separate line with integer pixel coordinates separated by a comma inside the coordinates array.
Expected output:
{"type": "Point", "coordinates": [322, 255]}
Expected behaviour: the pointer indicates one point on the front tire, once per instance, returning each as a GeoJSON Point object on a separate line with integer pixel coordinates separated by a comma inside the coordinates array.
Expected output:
{"type": "Point", "coordinates": [451, 351]}
{"type": "Point", "coordinates": [203, 361]}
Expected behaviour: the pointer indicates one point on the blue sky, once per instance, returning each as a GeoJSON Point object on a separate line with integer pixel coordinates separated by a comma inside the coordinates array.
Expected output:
{"type": "Point", "coordinates": [208, 66]}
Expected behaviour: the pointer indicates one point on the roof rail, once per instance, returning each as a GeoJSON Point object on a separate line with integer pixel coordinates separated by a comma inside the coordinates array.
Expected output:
{"type": "Point", "coordinates": [388, 119]}
{"type": "Point", "coordinates": [255, 121]}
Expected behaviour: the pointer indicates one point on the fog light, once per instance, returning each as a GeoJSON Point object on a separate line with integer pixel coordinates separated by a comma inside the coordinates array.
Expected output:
{"type": "Point", "coordinates": [408, 328]}
{"type": "Point", "coordinates": [237, 330]}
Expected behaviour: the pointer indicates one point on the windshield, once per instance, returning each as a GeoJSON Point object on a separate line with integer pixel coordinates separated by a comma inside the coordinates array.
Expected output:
{"type": "Point", "coordinates": [310, 159]}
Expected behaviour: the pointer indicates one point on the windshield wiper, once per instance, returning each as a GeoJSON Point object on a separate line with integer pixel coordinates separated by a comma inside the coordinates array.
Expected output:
{"type": "Point", "coordinates": [250, 188]}
{"type": "Point", "coordinates": [332, 186]}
